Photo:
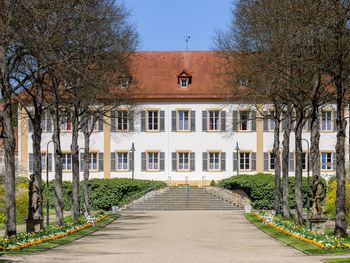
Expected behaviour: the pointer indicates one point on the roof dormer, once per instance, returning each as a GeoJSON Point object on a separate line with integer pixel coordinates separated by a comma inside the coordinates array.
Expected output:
{"type": "Point", "coordinates": [184, 79]}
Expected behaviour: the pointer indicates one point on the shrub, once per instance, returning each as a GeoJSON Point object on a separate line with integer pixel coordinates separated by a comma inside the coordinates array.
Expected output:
{"type": "Point", "coordinates": [104, 193]}
{"type": "Point", "coordinates": [331, 197]}
{"type": "Point", "coordinates": [260, 189]}
{"type": "Point", "coordinates": [212, 183]}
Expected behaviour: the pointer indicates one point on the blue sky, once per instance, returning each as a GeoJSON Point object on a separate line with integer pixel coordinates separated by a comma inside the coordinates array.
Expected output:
{"type": "Point", "coordinates": [163, 24]}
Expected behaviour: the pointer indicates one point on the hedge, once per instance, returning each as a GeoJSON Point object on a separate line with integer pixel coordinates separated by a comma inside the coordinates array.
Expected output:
{"type": "Point", "coordinates": [260, 189]}
{"type": "Point", "coordinates": [104, 193]}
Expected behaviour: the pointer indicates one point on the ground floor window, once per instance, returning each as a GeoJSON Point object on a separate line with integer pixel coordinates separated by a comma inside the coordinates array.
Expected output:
{"type": "Point", "coordinates": [122, 159]}
{"type": "Point", "coordinates": [153, 161]}
{"type": "Point", "coordinates": [326, 159]}
{"type": "Point", "coordinates": [183, 161]}
{"type": "Point", "coordinates": [214, 161]}
{"type": "Point", "coordinates": [304, 161]}
{"type": "Point", "coordinates": [66, 161]}
{"type": "Point", "coordinates": [272, 161]}
{"type": "Point", "coordinates": [244, 161]}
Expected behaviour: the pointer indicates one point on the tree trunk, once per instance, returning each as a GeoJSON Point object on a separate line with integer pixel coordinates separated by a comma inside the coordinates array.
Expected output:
{"type": "Point", "coordinates": [285, 166]}
{"type": "Point", "coordinates": [315, 144]}
{"type": "Point", "coordinates": [57, 156]}
{"type": "Point", "coordinates": [340, 219]}
{"type": "Point", "coordinates": [298, 168]}
{"type": "Point", "coordinates": [75, 165]}
{"type": "Point", "coordinates": [276, 153]}
{"type": "Point", "coordinates": [37, 169]}
{"type": "Point", "coordinates": [10, 175]}
{"type": "Point", "coordinates": [86, 169]}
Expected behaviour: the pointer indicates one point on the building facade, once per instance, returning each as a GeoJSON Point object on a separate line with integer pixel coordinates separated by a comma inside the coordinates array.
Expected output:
{"type": "Point", "coordinates": [184, 127]}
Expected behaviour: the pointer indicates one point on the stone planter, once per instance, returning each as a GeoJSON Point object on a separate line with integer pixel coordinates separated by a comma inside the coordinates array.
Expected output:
{"type": "Point", "coordinates": [318, 225]}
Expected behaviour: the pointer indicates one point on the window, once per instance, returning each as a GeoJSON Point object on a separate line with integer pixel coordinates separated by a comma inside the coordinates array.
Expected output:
{"type": "Point", "coordinates": [153, 120]}
{"type": "Point", "coordinates": [244, 161]}
{"type": "Point", "coordinates": [92, 161]}
{"type": "Point", "coordinates": [91, 122]}
{"type": "Point", "coordinates": [272, 121]}
{"type": "Point", "coordinates": [45, 122]}
{"type": "Point", "coordinates": [304, 161]}
{"type": "Point", "coordinates": [43, 161]}
{"type": "Point", "coordinates": [122, 120]}
{"type": "Point", "coordinates": [183, 120]}
{"type": "Point", "coordinates": [326, 120]}
{"type": "Point", "coordinates": [326, 159]}
{"type": "Point", "coordinates": [243, 83]}
{"type": "Point", "coordinates": [66, 161]}
{"type": "Point", "coordinates": [124, 83]}
{"type": "Point", "coordinates": [184, 83]}
{"type": "Point", "coordinates": [122, 159]}
{"type": "Point", "coordinates": [244, 120]}
{"type": "Point", "coordinates": [66, 125]}
{"type": "Point", "coordinates": [153, 161]}
{"type": "Point", "coordinates": [272, 161]}
{"type": "Point", "coordinates": [214, 117]}
{"type": "Point", "coordinates": [214, 161]}
{"type": "Point", "coordinates": [183, 161]}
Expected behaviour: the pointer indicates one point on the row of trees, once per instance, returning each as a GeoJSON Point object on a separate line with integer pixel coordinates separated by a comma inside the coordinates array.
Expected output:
{"type": "Point", "coordinates": [65, 59]}
{"type": "Point", "coordinates": [296, 55]}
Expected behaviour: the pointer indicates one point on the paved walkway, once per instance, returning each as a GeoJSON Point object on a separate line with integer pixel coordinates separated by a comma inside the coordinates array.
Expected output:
{"type": "Point", "coordinates": [176, 236]}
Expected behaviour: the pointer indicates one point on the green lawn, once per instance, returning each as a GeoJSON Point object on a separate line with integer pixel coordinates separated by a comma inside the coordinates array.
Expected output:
{"type": "Point", "coordinates": [62, 241]}
{"type": "Point", "coordinates": [337, 260]}
{"type": "Point", "coordinates": [291, 241]}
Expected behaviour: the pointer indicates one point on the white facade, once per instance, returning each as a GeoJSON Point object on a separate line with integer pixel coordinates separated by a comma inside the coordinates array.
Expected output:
{"type": "Point", "coordinates": [254, 143]}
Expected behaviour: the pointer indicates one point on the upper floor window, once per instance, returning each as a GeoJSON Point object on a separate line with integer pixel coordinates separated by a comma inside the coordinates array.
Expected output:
{"type": "Point", "coordinates": [213, 120]}
{"type": "Point", "coordinates": [66, 124]}
{"type": "Point", "coordinates": [326, 120]}
{"type": "Point", "coordinates": [244, 120]}
{"type": "Point", "coordinates": [304, 161]}
{"type": "Point", "coordinates": [244, 161]}
{"type": "Point", "coordinates": [326, 161]}
{"type": "Point", "coordinates": [153, 120]}
{"type": "Point", "coordinates": [92, 124]}
{"type": "Point", "coordinates": [272, 161]}
{"type": "Point", "coordinates": [183, 120]}
{"type": "Point", "coordinates": [122, 120]}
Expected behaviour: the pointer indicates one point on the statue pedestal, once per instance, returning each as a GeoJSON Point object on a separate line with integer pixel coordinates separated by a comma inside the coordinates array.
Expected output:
{"type": "Point", "coordinates": [34, 225]}
{"type": "Point", "coordinates": [318, 225]}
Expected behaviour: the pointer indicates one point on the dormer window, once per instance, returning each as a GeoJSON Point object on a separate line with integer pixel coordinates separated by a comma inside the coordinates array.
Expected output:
{"type": "Point", "coordinates": [184, 79]}
{"type": "Point", "coordinates": [124, 82]}
{"type": "Point", "coordinates": [243, 82]}
{"type": "Point", "coordinates": [184, 83]}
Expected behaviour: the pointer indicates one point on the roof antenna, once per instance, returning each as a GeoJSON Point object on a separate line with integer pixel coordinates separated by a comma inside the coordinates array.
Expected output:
{"type": "Point", "coordinates": [187, 38]}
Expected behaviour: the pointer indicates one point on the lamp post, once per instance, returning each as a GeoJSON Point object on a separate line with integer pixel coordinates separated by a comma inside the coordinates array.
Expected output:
{"type": "Point", "coordinates": [308, 185]}
{"type": "Point", "coordinates": [237, 151]}
{"type": "Point", "coordinates": [132, 150]}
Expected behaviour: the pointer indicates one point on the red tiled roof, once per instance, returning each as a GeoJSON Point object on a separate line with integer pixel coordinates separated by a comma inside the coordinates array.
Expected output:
{"type": "Point", "coordinates": [156, 75]}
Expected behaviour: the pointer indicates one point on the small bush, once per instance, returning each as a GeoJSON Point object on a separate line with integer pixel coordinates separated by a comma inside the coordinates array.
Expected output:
{"type": "Point", "coordinates": [331, 197]}
{"type": "Point", "coordinates": [260, 189]}
{"type": "Point", "coordinates": [212, 183]}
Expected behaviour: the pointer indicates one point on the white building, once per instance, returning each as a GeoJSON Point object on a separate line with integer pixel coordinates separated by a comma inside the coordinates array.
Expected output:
{"type": "Point", "coordinates": [186, 128]}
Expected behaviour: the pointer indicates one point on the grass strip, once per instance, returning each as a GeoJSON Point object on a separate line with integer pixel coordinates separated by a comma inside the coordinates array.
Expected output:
{"type": "Point", "coordinates": [61, 241]}
{"type": "Point", "coordinates": [291, 241]}
{"type": "Point", "coordinates": [337, 260]}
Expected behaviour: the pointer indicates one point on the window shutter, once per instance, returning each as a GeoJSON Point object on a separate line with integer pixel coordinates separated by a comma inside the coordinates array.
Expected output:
{"type": "Point", "coordinates": [113, 121]}
{"type": "Point", "coordinates": [162, 121]}
{"type": "Point", "coordinates": [173, 121]}
{"type": "Point", "coordinates": [291, 162]}
{"type": "Point", "coordinates": [162, 161]}
{"type": "Point", "coordinates": [334, 159]}
{"type": "Point", "coordinates": [266, 121]}
{"type": "Point", "coordinates": [143, 122]}
{"type": "Point", "coordinates": [193, 161]}
{"type": "Point", "coordinates": [48, 123]}
{"type": "Point", "coordinates": [30, 125]}
{"type": "Point", "coordinates": [335, 120]}
{"type": "Point", "coordinates": [254, 161]}
{"type": "Point", "coordinates": [205, 161]}
{"type": "Point", "coordinates": [223, 121]}
{"type": "Point", "coordinates": [100, 123]}
{"type": "Point", "coordinates": [143, 161]}
{"type": "Point", "coordinates": [234, 161]}
{"type": "Point", "coordinates": [223, 161]}
{"type": "Point", "coordinates": [204, 121]}
{"type": "Point", "coordinates": [130, 161]}
{"type": "Point", "coordinates": [173, 161]}
{"type": "Point", "coordinates": [131, 121]}
{"type": "Point", "coordinates": [31, 164]}
{"type": "Point", "coordinates": [234, 121]}
{"type": "Point", "coordinates": [50, 162]}
{"type": "Point", "coordinates": [266, 161]}
{"type": "Point", "coordinates": [81, 161]}
{"type": "Point", "coordinates": [253, 122]}
{"type": "Point", "coordinates": [193, 121]}
{"type": "Point", "coordinates": [100, 162]}
{"type": "Point", "coordinates": [113, 162]}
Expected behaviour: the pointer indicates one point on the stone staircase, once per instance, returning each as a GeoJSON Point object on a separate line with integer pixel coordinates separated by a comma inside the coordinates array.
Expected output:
{"type": "Point", "coordinates": [183, 199]}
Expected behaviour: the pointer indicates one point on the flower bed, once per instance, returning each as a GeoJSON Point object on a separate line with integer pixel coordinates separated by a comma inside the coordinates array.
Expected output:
{"type": "Point", "coordinates": [302, 233]}
{"type": "Point", "coordinates": [24, 240]}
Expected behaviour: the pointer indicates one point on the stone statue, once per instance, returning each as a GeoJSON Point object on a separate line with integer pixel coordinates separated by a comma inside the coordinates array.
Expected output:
{"type": "Point", "coordinates": [34, 198]}
{"type": "Point", "coordinates": [318, 193]}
